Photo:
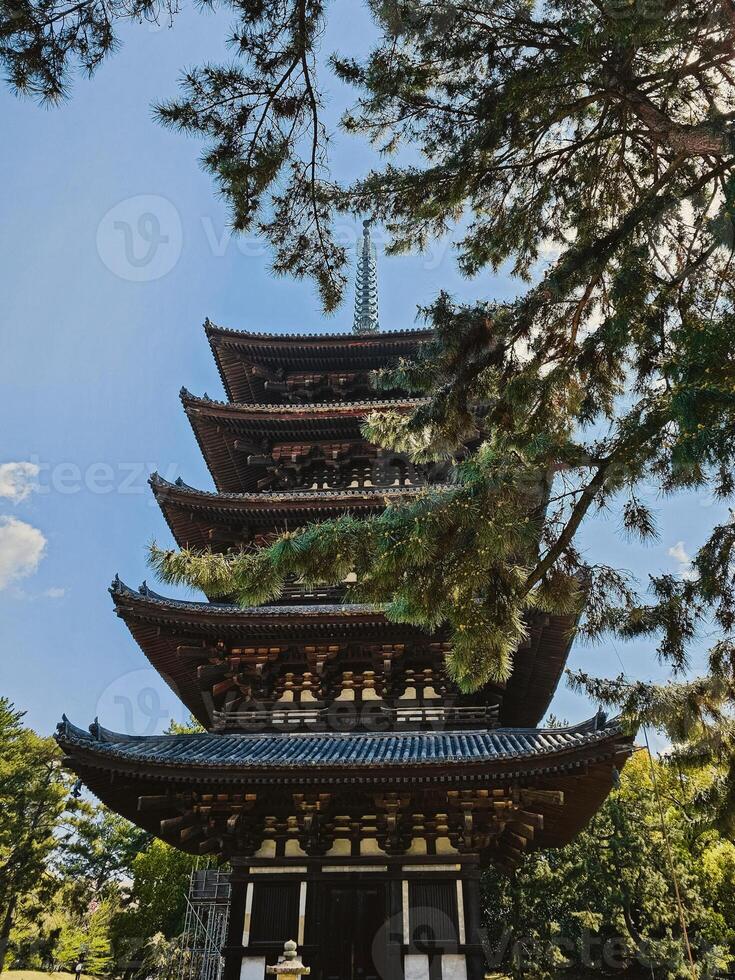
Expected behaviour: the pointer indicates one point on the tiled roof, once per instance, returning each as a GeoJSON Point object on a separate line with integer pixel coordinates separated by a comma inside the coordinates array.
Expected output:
{"type": "Point", "coordinates": [315, 409]}
{"type": "Point", "coordinates": [211, 329]}
{"type": "Point", "coordinates": [230, 609]}
{"type": "Point", "coordinates": [236, 352]}
{"type": "Point", "coordinates": [326, 750]}
{"type": "Point", "coordinates": [285, 496]}
{"type": "Point", "coordinates": [220, 426]}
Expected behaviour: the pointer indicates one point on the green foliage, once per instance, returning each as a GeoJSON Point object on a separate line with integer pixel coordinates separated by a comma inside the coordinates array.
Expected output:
{"type": "Point", "coordinates": [607, 900]}
{"type": "Point", "coordinates": [33, 796]}
{"type": "Point", "coordinates": [77, 882]}
{"type": "Point", "coordinates": [451, 539]}
{"type": "Point", "coordinates": [266, 141]}
{"type": "Point", "coordinates": [564, 125]}
{"type": "Point", "coordinates": [38, 920]}
{"type": "Point", "coordinates": [190, 727]}
{"type": "Point", "coordinates": [98, 847]}
{"type": "Point", "coordinates": [87, 939]}
{"type": "Point", "coordinates": [164, 958]}
{"type": "Point", "coordinates": [43, 41]}
{"type": "Point", "coordinates": [160, 882]}
{"type": "Point", "coordinates": [696, 715]}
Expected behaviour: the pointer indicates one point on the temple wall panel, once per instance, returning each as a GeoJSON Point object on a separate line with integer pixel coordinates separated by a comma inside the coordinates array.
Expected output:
{"type": "Point", "coordinates": [395, 920]}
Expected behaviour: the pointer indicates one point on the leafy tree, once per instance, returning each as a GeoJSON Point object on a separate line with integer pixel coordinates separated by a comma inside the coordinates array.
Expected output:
{"type": "Point", "coordinates": [123, 925]}
{"type": "Point", "coordinates": [164, 957]}
{"type": "Point", "coordinates": [607, 900]}
{"type": "Point", "coordinates": [87, 939]}
{"type": "Point", "coordinates": [190, 727]}
{"type": "Point", "coordinates": [160, 882]}
{"type": "Point", "coordinates": [696, 715]}
{"type": "Point", "coordinates": [98, 847]}
{"type": "Point", "coordinates": [33, 797]}
{"type": "Point", "coordinates": [718, 871]}
{"type": "Point", "coordinates": [39, 917]}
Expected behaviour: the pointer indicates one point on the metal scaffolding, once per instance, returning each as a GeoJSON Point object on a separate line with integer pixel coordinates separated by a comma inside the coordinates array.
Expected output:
{"type": "Point", "coordinates": [205, 926]}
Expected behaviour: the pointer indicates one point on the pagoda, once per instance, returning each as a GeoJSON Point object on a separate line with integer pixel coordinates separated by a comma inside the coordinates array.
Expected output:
{"type": "Point", "coordinates": [356, 794]}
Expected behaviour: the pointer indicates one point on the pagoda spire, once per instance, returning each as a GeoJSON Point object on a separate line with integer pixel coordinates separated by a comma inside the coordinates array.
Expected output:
{"type": "Point", "coordinates": [366, 286]}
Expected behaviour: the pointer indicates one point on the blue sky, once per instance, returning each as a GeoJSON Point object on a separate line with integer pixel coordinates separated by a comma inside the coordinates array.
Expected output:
{"type": "Point", "coordinates": [95, 349]}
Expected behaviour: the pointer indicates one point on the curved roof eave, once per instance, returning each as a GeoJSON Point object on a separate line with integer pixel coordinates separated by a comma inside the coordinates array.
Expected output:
{"type": "Point", "coordinates": [243, 410]}
{"type": "Point", "coordinates": [214, 330]}
{"type": "Point", "coordinates": [509, 750]}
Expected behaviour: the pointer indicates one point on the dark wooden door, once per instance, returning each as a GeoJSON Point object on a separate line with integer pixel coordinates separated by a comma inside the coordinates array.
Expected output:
{"type": "Point", "coordinates": [353, 931]}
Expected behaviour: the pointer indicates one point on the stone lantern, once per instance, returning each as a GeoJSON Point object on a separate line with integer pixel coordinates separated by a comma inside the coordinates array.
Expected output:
{"type": "Point", "coordinates": [290, 966]}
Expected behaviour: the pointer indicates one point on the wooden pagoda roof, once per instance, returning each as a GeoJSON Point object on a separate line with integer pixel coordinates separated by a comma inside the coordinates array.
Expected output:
{"type": "Point", "coordinates": [512, 750]}
{"type": "Point", "coordinates": [230, 434]}
{"type": "Point", "coordinates": [161, 625]}
{"type": "Point", "coordinates": [141, 776]}
{"type": "Point", "coordinates": [237, 352]}
{"type": "Point", "coordinates": [203, 519]}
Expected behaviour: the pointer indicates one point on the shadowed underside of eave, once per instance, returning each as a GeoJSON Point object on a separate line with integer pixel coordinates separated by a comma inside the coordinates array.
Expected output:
{"type": "Point", "coordinates": [568, 773]}
{"type": "Point", "coordinates": [237, 353]}
{"type": "Point", "coordinates": [232, 437]}
{"type": "Point", "coordinates": [160, 625]}
{"type": "Point", "coordinates": [222, 521]}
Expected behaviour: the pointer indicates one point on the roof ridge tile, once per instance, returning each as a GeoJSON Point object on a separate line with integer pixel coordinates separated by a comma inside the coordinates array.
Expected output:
{"type": "Point", "coordinates": [312, 407]}
{"type": "Point", "coordinates": [212, 329]}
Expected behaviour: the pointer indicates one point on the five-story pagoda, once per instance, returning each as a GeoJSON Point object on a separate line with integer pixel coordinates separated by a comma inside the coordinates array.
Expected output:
{"type": "Point", "coordinates": [355, 792]}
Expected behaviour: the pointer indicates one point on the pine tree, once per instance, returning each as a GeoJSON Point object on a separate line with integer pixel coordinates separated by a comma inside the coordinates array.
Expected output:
{"type": "Point", "coordinates": [97, 848]}
{"type": "Point", "coordinates": [575, 126]}
{"type": "Point", "coordinates": [602, 136]}
{"type": "Point", "coordinates": [33, 797]}
{"type": "Point", "coordinates": [596, 138]}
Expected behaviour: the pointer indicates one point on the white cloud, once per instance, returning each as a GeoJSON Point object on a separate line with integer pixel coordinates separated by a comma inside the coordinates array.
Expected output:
{"type": "Point", "coordinates": [549, 250]}
{"type": "Point", "coordinates": [18, 480]}
{"type": "Point", "coordinates": [53, 593]}
{"type": "Point", "coordinates": [21, 549]}
{"type": "Point", "coordinates": [680, 555]}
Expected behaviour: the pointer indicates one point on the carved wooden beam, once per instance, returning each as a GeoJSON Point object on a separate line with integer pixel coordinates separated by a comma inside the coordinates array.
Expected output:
{"type": "Point", "coordinates": [547, 797]}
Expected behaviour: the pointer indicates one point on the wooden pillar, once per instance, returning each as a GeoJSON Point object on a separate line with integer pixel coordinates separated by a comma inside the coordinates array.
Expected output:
{"type": "Point", "coordinates": [232, 951]}
{"type": "Point", "coordinates": [476, 965]}
{"type": "Point", "coordinates": [394, 953]}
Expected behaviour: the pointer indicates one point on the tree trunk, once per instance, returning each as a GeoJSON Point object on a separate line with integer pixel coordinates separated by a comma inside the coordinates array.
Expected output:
{"type": "Point", "coordinates": [6, 927]}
